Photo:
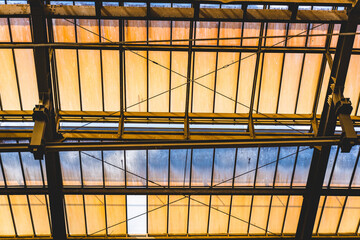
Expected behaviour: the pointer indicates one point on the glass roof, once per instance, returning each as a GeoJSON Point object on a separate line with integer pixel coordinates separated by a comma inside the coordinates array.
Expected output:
{"type": "Point", "coordinates": [276, 67]}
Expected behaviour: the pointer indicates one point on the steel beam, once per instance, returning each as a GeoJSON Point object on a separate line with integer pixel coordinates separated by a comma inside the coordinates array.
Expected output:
{"type": "Point", "coordinates": [186, 14]}
{"type": "Point", "coordinates": [326, 128]}
{"type": "Point", "coordinates": [42, 67]}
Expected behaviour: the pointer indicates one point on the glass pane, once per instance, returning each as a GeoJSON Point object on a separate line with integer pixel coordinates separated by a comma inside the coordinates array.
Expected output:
{"type": "Point", "coordinates": [178, 214]}
{"type": "Point", "coordinates": [92, 167]}
{"type": "Point", "coordinates": [266, 166]}
{"type": "Point", "coordinates": [259, 214]}
{"type": "Point", "coordinates": [114, 168]}
{"type": "Point", "coordinates": [331, 214]}
{"type": "Point", "coordinates": [70, 168]}
{"type": "Point", "coordinates": [318, 213]}
{"type": "Point", "coordinates": [136, 214]}
{"type": "Point", "coordinates": [302, 166]}
{"type": "Point", "coordinates": [240, 212]}
{"type": "Point", "coordinates": [157, 216]}
{"type": "Point", "coordinates": [344, 168]}
{"type": "Point", "coordinates": [6, 223]}
{"type": "Point", "coordinates": [136, 167]}
{"type": "Point", "coordinates": [75, 218]}
{"type": "Point", "coordinates": [277, 214]}
{"type": "Point", "coordinates": [292, 214]}
{"type": "Point", "coordinates": [180, 167]}
{"type": "Point", "coordinates": [199, 213]}
{"type": "Point", "coordinates": [20, 209]}
{"type": "Point", "coordinates": [351, 216]}
{"type": "Point", "coordinates": [201, 171]}
{"type": "Point", "coordinates": [95, 215]}
{"type": "Point", "coordinates": [116, 214]}
{"type": "Point", "coordinates": [39, 213]}
{"type": "Point", "coordinates": [32, 170]}
{"type": "Point", "coordinates": [12, 169]}
{"type": "Point", "coordinates": [285, 166]}
{"type": "Point", "coordinates": [219, 214]}
{"type": "Point", "coordinates": [245, 166]}
{"type": "Point", "coordinates": [332, 156]}
{"type": "Point", "coordinates": [158, 168]}
{"type": "Point", "coordinates": [224, 166]}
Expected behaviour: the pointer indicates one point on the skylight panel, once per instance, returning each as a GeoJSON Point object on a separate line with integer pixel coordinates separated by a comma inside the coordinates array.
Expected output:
{"type": "Point", "coordinates": [136, 214]}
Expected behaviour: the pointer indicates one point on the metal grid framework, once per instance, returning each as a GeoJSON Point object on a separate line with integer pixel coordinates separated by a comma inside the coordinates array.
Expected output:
{"type": "Point", "coordinates": [175, 168]}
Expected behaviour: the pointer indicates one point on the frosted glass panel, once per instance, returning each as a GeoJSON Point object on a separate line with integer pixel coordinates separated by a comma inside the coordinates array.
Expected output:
{"type": "Point", "coordinates": [114, 168]}
{"type": "Point", "coordinates": [259, 214]}
{"type": "Point", "coordinates": [180, 160]}
{"type": "Point", "coordinates": [266, 166]}
{"type": "Point", "coordinates": [224, 166]}
{"type": "Point", "coordinates": [245, 166]}
{"type": "Point", "coordinates": [285, 166]}
{"type": "Point", "coordinates": [136, 167]}
{"type": "Point", "coordinates": [70, 168]}
{"type": "Point", "coordinates": [12, 169]}
{"type": "Point", "coordinates": [92, 166]}
{"type": "Point", "coordinates": [95, 215]}
{"type": "Point", "coordinates": [136, 214]}
{"type": "Point", "coordinates": [302, 166]}
{"type": "Point", "coordinates": [158, 167]}
{"type": "Point", "coordinates": [201, 171]}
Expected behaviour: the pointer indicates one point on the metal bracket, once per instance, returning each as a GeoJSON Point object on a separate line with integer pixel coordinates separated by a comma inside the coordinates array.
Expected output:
{"type": "Point", "coordinates": [343, 110]}
{"type": "Point", "coordinates": [40, 117]}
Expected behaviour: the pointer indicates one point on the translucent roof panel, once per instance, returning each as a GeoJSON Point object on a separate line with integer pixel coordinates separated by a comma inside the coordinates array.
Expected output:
{"type": "Point", "coordinates": [24, 216]}
{"type": "Point", "coordinates": [22, 170]}
{"type": "Point", "coordinates": [341, 168]}
{"type": "Point", "coordinates": [155, 81]}
{"type": "Point", "coordinates": [204, 167]}
{"type": "Point", "coordinates": [176, 215]}
{"type": "Point", "coordinates": [18, 78]}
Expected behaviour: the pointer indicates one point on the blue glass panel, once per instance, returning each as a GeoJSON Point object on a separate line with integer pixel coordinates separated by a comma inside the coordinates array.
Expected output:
{"type": "Point", "coordinates": [114, 167]}
{"type": "Point", "coordinates": [167, 5]}
{"type": "Point", "coordinates": [224, 166]}
{"type": "Point", "coordinates": [134, 4]}
{"type": "Point", "coordinates": [266, 166]}
{"type": "Point", "coordinates": [92, 168]}
{"type": "Point", "coordinates": [356, 180]}
{"type": "Point", "coordinates": [330, 165]}
{"type": "Point", "coordinates": [180, 167]}
{"type": "Point", "coordinates": [70, 168]}
{"type": "Point", "coordinates": [285, 166]}
{"type": "Point", "coordinates": [83, 3]}
{"type": "Point", "coordinates": [61, 2]}
{"type": "Point", "coordinates": [136, 167]}
{"type": "Point", "coordinates": [201, 170]}
{"type": "Point", "coordinates": [302, 166]}
{"type": "Point", "coordinates": [344, 167]}
{"type": "Point", "coordinates": [12, 169]}
{"type": "Point", "coordinates": [32, 169]}
{"type": "Point", "coordinates": [158, 167]}
{"type": "Point", "coordinates": [245, 166]}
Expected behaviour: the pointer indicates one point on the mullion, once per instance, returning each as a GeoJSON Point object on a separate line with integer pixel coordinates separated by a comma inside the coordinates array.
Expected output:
{"type": "Point", "coordinates": [286, 209]}
{"type": "Point", "coordinates": [188, 216]}
{"type": "Point", "coordinates": [302, 69]}
{"type": "Point", "coordinates": [239, 68]}
{"type": "Point", "coordinates": [147, 63]}
{"type": "Point", "coordinates": [48, 213]}
{"type": "Point", "coordinates": [105, 210]}
{"type": "Point", "coordinates": [25, 186]}
{"type": "Point", "coordinates": [101, 66]}
{"type": "Point", "coordinates": [191, 102]}
{"type": "Point", "coordinates": [147, 196]}
{"type": "Point", "coordinates": [216, 66]}
{"type": "Point", "coordinates": [8, 198]}
{"type": "Point", "coordinates": [249, 222]}
{"type": "Point", "coordinates": [333, 168]}
{"type": "Point", "coordinates": [341, 215]}
{"type": "Point", "coordinates": [321, 213]}
{"type": "Point", "coordinates": [257, 166]}
{"type": "Point", "coordinates": [168, 197]}
{"type": "Point", "coordinates": [294, 168]}
{"type": "Point", "coordinates": [170, 71]}
{"type": "Point", "coordinates": [282, 68]}
{"type": "Point", "coordinates": [15, 67]}
{"type": "Point", "coordinates": [211, 185]}
{"type": "Point", "coordinates": [276, 167]}
{"type": "Point", "coordinates": [268, 216]}
{"type": "Point", "coordinates": [78, 65]}
{"type": "Point", "coordinates": [261, 70]}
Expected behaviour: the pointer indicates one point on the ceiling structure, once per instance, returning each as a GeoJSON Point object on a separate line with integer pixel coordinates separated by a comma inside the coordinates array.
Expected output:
{"type": "Point", "coordinates": [190, 119]}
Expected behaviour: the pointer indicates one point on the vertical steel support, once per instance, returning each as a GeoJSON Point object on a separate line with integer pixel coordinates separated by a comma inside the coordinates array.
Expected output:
{"type": "Point", "coordinates": [326, 128]}
{"type": "Point", "coordinates": [42, 67]}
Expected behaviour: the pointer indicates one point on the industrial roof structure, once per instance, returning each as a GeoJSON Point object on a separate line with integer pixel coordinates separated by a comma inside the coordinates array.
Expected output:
{"type": "Point", "coordinates": [202, 119]}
